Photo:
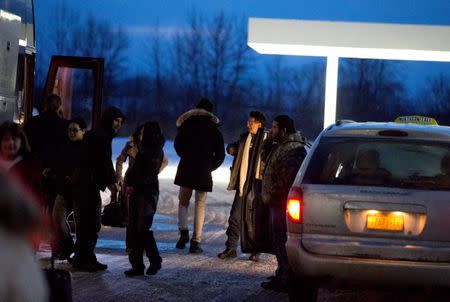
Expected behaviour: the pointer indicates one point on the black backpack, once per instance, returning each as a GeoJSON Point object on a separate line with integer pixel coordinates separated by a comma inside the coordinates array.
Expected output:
{"type": "Point", "coordinates": [112, 212]}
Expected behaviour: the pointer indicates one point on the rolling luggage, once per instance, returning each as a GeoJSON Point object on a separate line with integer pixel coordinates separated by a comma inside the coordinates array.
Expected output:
{"type": "Point", "coordinates": [59, 283]}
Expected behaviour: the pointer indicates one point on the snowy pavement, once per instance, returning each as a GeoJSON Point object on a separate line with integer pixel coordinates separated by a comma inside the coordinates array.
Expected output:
{"type": "Point", "coordinates": [194, 277]}
{"type": "Point", "coordinates": [183, 277]}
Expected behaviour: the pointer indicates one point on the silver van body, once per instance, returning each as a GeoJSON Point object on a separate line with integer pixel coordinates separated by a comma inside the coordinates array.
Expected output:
{"type": "Point", "coordinates": [375, 206]}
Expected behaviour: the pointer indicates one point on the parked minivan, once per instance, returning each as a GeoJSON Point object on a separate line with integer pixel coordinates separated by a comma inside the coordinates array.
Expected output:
{"type": "Point", "coordinates": [371, 204]}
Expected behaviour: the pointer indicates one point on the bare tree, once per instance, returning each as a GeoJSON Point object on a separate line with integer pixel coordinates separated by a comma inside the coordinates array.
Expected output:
{"type": "Point", "coordinates": [218, 51]}
{"type": "Point", "coordinates": [156, 53]}
{"type": "Point", "coordinates": [370, 89]}
{"type": "Point", "coordinates": [210, 58]}
{"type": "Point", "coordinates": [276, 82]}
{"type": "Point", "coordinates": [69, 34]}
{"type": "Point", "coordinates": [240, 60]}
{"type": "Point", "coordinates": [64, 19]}
{"type": "Point", "coordinates": [228, 63]}
{"type": "Point", "coordinates": [434, 99]}
{"type": "Point", "coordinates": [56, 39]}
{"type": "Point", "coordinates": [190, 57]}
{"type": "Point", "coordinates": [307, 92]}
{"type": "Point", "coordinates": [437, 94]}
{"type": "Point", "coordinates": [98, 39]}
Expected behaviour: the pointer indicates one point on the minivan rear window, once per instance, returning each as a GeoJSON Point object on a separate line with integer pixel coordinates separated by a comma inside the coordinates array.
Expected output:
{"type": "Point", "coordinates": [380, 162]}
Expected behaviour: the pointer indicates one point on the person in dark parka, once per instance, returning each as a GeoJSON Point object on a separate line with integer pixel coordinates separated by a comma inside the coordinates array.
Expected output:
{"type": "Point", "coordinates": [94, 173]}
{"type": "Point", "coordinates": [46, 133]}
{"type": "Point", "coordinates": [143, 186]}
{"type": "Point", "coordinates": [286, 147]}
{"type": "Point", "coordinates": [200, 146]}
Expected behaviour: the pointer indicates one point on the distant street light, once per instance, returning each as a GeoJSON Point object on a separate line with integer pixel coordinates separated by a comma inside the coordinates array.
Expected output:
{"type": "Point", "coordinates": [336, 40]}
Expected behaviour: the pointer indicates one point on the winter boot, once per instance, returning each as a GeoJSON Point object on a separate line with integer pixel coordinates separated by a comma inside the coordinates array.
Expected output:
{"type": "Point", "coordinates": [137, 263]}
{"type": "Point", "coordinates": [228, 253]}
{"type": "Point", "coordinates": [184, 238]}
{"type": "Point", "coordinates": [134, 271]}
{"type": "Point", "coordinates": [152, 254]}
{"type": "Point", "coordinates": [254, 257]}
{"type": "Point", "coordinates": [153, 268]}
{"type": "Point", "coordinates": [195, 247]}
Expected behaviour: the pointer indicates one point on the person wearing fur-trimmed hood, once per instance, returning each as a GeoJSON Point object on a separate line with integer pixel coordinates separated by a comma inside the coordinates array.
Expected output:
{"type": "Point", "coordinates": [200, 146]}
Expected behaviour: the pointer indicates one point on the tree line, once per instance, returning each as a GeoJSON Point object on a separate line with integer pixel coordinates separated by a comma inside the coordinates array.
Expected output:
{"type": "Point", "coordinates": [209, 57]}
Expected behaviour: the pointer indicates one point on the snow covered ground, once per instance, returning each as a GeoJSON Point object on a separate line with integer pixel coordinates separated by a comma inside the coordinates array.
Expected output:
{"type": "Point", "coordinates": [218, 203]}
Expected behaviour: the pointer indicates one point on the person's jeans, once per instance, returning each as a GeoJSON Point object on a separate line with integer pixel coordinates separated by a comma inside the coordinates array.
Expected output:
{"type": "Point", "coordinates": [279, 238]}
{"type": "Point", "coordinates": [142, 211]}
{"type": "Point", "coordinates": [184, 197]}
{"type": "Point", "coordinates": [87, 210]}
{"type": "Point", "coordinates": [234, 222]}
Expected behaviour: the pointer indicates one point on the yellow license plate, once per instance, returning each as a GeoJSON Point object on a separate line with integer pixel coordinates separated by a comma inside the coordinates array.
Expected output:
{"type": "Point", "coordinates": [385, 222]}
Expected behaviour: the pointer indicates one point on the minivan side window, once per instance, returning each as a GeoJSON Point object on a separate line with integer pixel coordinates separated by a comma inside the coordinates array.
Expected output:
{"type": "Point", "coordinates": [380, 162]}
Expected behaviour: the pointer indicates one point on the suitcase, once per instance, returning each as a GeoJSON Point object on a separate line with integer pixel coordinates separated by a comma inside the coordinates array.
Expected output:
{"type": "Point", "coordinates": [59, 283]}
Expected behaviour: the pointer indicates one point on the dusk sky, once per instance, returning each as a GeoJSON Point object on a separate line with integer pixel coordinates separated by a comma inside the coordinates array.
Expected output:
{"type": "Point", "coordinates": [138, 17]}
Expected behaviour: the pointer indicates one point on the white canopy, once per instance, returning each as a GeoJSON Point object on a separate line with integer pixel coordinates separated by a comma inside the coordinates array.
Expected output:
{"type": "Point", "coordinates": [348, 40]}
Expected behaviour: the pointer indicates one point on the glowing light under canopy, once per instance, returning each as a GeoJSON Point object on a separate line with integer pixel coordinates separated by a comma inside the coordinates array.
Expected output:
{"type": "Point", "coordinates": [348, 52]}
{"type": "Point", "coordinates": [9, 16]}
{"type": "Point", "coordinates": [336, 40]}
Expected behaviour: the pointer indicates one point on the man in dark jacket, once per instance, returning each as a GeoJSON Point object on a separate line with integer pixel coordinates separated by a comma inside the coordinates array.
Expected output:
{"type": "Point", "coordinates": [286, 154]}
{"type": "Point", "coordinates": [245, 171]}
{"type": "Point", "coordinates": [94, 173]}
{"type": "Point", "coordinates": [199, 144]}
{"type": "Point", "coordinates": [47, 130]}
{"type": "Point", "coordinates": [47, 133]}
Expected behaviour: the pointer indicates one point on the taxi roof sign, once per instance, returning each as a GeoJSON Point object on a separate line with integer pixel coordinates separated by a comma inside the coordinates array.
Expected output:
{"type": "Point", "coordinates": [416, 119]}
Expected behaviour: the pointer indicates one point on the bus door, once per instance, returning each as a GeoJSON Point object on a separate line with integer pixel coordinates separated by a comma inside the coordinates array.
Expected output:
{"type": "Point", "coordinates": [79, 83]}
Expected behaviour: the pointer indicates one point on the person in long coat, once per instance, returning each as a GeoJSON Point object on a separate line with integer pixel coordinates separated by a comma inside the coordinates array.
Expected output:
{"type": "Point", "coordinates": [246, 173]}
{"type": "Point", "coordinates": [95, 173]}
{"type": "Point", "coordinates": [200, 146]}
{"type": "Point", "coordinates": [142, 182]}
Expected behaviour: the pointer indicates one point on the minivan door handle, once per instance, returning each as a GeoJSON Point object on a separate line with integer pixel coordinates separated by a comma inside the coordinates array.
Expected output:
{"type": "Point", "coordinates": [388, 207]}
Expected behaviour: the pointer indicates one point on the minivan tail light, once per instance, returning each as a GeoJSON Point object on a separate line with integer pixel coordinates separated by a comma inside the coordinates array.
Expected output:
{"type": "Point", "coordinates": [294, 207]}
